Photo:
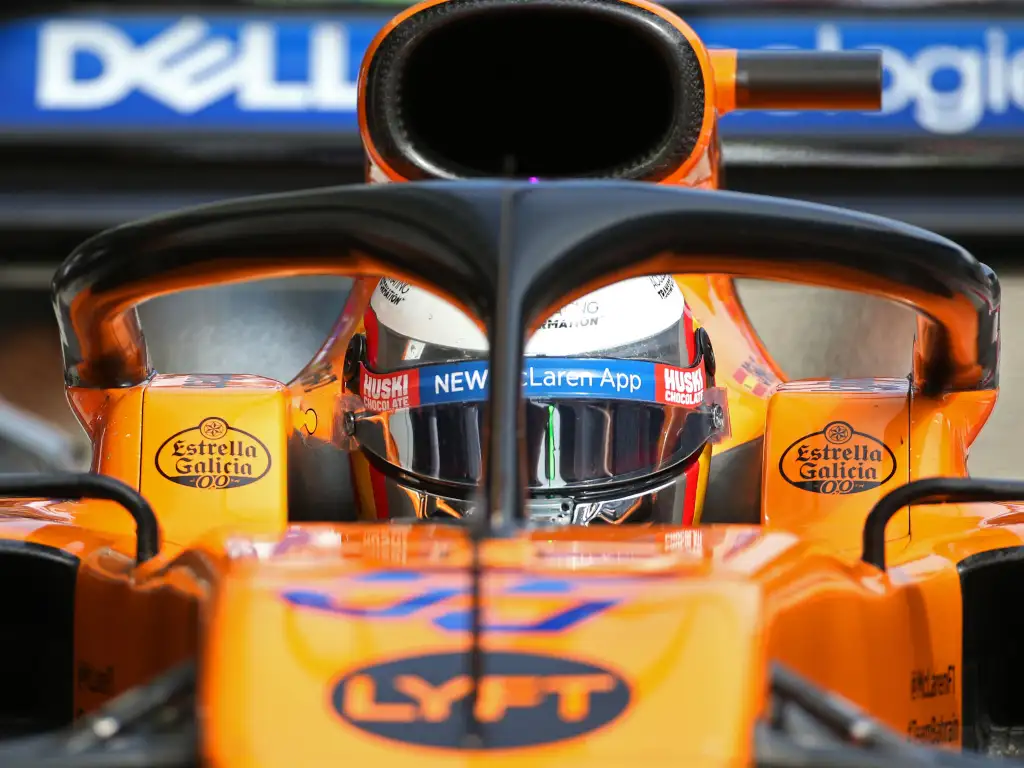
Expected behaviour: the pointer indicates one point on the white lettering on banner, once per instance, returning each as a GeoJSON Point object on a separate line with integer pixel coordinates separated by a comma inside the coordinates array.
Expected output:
{"type": "Point", "coordinates": [532, 377]}
{"type": "Point", "coordinates": [680, 387]}
{"type": "Point", "coordinates": [476, 381]}
{"type": "Point", "coordinates": [987, 79]}
{"type": "Point", "coordinates": [582, 379]}
{"type": "Point", "coordinates": [621, 381]}
{"type": "Point", "coordinates": [460, 381]}
{"type": "Point", "coordinates": [385, 393]}
{"type": "Point", "coordinates": [684, 387]}
{"type": "Point", "coordinates": [187, 69]}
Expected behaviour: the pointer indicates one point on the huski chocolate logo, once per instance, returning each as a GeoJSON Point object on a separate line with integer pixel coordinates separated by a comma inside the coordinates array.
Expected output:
{"type": "Point", "coordinates": [213, 455]}
{"type": "Point", "coordinates": [838, 460]}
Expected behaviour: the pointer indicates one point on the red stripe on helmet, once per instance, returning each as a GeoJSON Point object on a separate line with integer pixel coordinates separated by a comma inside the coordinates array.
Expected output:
{"type": "Point", "coordinates": [692, 477]}
{"type": "Point", "coordinates": [371, 327]}
{"type": "Point", "coordinates": [689, 334]}
{"type": "Point", "coordinates": [380, 492]}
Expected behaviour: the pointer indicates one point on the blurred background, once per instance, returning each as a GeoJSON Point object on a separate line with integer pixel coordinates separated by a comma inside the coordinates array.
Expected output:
{"type": "Point", "coordinates": [113, 112]}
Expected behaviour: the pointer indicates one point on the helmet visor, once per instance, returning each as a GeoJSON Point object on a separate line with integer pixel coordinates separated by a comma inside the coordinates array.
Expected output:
{"type": "Point", "coordinates": [588, 420]}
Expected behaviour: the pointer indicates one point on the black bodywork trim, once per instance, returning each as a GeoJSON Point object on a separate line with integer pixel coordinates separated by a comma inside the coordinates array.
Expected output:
{"type": "Point", "coordinates": [87, 485]}
{"type": "Point", "coordinates": [320, 487]}
{"type": "Point", "coordinates": [38, 637]}
{"type": "Point", "coordinates": [930, 490]}
{"type": "Point", "coordinates": [734, 485]}
{"type": "Point", "coordinates": [152, 725]}
{"type": "Point", "coordinates": [797, 79]}
{"type": "Point", "coordinates": [811, 727]}
{"type": "Point", "coordinates": [983, 605]}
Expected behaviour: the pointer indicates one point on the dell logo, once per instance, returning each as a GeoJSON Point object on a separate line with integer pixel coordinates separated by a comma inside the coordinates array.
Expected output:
{"type": "Point", "coordinates": [187, 68]}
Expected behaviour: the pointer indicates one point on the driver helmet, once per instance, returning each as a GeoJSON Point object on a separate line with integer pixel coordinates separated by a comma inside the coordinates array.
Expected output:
{"type": "Point", "coordinates": [621, 408]}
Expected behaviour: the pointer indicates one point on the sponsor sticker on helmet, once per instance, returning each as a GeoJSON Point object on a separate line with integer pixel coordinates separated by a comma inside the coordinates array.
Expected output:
{"type": "Point", "coordinates": [680, 387]}
{"type": "Point", "coordinates": [837, 460]}
{"type": "Point", "coordinates": [664, 285]}
{"type": "Point", "coordinates": [581, 313]}
{"type": "Point", "coordinates": [391, 391]}
{"type": "Point", "coordinates": [524, 699]}
{"type": "Point", "coordinates": [394, 291]}
{"type": "Point", "coordinates": [555, 378]}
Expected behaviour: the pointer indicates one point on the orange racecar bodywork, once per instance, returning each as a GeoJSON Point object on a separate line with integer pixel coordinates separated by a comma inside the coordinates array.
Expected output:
{"type": "Point", "coordinates": [316, 637]}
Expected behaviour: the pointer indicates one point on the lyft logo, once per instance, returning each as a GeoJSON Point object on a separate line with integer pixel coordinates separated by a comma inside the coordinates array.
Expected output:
{"type": "Point", "coordinates": [187, 68]}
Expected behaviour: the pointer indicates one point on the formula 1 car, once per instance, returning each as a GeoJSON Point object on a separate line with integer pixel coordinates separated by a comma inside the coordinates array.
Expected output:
{"type": "Point", "coordinates": [204, 596]}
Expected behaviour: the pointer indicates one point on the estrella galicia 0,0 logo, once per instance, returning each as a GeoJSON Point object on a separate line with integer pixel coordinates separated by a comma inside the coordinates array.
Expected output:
{"type": "Point", "coordinates": [837, 460]}
{"type": "Point", "coordinates": [213, 455]}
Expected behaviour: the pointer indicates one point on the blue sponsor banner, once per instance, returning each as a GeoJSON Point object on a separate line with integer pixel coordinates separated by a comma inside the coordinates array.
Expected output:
{"type": "Point", "coordinates": [543, 377]}
{"type": "Point", "coordinates": [183, 72]}
{"type": "Point", "coordinates": [298, 74]}
{"type": "Point", "coordinates": [943, 78]}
